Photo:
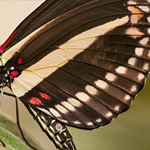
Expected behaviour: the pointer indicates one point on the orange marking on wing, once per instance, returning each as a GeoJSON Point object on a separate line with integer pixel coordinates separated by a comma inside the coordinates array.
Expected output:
{"type": "Point", "coordinates": [136, 14]}
{"type": "Point", "coordinates": [134, 10]}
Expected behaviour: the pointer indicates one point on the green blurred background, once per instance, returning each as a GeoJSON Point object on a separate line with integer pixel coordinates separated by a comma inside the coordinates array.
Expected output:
{"type": "Point", "coordinates": [129, 131]}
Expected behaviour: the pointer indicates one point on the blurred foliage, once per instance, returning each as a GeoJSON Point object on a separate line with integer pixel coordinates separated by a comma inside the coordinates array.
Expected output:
{"type": "Point", "coordinates": [10, 135]}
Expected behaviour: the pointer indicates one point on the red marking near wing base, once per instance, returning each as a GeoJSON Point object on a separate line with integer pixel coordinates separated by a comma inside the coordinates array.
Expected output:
{"type": "Point", "coordinates": [11, 77]}
{"type": "Point", "coordinates": [8, 85]}
{"type": "Point", "coordinates": [14, 73]}
{"type": "Point", "coordinates": [19, 61]}
{"type": "Point", "coordinates": [2, 47]}
{"type": "Point", "coordinates": [35, 101]}
{"type": "Point", "coordinates": [44, 96]}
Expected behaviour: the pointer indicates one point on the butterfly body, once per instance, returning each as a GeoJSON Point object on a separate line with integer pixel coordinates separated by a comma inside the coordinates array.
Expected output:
{"type": "Point", "coordinates": [81, 68]}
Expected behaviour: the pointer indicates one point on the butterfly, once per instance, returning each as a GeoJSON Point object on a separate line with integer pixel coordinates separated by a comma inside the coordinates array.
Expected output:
{"type": "Point", "coordinates": [78, 63]}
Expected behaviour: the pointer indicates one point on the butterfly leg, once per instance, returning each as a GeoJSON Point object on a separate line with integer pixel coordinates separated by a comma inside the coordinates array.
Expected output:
{"type": "Point", "coordinates": [3, 144]}
{"type": "Point", "coordinates": [18, 122]}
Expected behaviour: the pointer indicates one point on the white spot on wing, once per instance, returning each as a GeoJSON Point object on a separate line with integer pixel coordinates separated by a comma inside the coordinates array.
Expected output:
{"type": "Point", "coordinates": [144, 41]}
{"type": "Point", "coordinates": [148, 30]}
{"type": "Point", "coordinates": [144, 8]}
{"type": "Point", "coordinates": [98, 120]}
{"type": "Point", "coordinates": [89, 123]}
{"type": "Point", "coordinates": [132, 61]}
{"type": "Point", "coordinates": [83, 96]}
{"type": "Point", "coordinates": [110, 76]}
{"type": "Point", "coordinates": [133, 88]}
{"type": "Point", "coordinates": [121, 70]}
{"type": "Point", "coordinates": [91, 90]}
{"type": "Point", "coordinates": [74, 102]}
{"type": "Point", "coordinates": [54, 112]}
{"type": "Point", "coordinates": [140, 76]}
{"type": "Point", "coordinates": [146, 66]}
{"type": "Point", "coordinates": [117, 108]}
{"type": "Point", "coordinates": [139, 51]}
{"type": "Point", "coordinates": [44, 110]}
{"type": "Point", "coordinates": [77, 122]}
{"type": "Point", "coordinates": [61, 108]}
{"type": "Point", "coordinates": [68, 106]}
{"type": "Point", "coordinates": [109, 114]}
{"type": "Point", "coordinates": [148, 18]}
{"type": "Point", "coordinates": [127, 97]}
{"type": "Point", "coordinates": [131, 3]}
{"type": "Point", "coordinates": [101, 84]}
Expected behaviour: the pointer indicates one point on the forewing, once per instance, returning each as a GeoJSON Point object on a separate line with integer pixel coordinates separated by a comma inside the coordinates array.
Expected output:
{"type": "Point", "coordinates": [85, 67]}
{"type": "Point", "coordinates": [46, 12]}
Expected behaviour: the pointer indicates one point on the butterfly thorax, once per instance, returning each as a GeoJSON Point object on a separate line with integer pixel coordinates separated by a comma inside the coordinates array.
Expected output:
{"type": "Point", "coordinates": [3, 71]}
{"type": "Point", "coordinates": [7, 75]}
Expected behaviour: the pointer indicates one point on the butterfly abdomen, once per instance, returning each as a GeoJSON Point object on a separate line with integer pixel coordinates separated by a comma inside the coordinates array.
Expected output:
{"type": "Point", "coordinates": [55, 130]}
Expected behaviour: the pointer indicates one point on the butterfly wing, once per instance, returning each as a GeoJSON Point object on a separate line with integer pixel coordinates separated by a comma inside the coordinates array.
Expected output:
{"type": "Point", "coordinates": [86, 66]}
{"type": "Point", "coordinates": [46, 12]}
{"type": "Point", "coordinates": [78, 70]}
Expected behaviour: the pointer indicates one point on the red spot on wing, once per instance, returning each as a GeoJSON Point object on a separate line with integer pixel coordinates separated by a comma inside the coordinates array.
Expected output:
{"type": "Point", "coordinates": [14, 73]}
{"type": "Point", "coordinates": [8, 85]}
{"type": "Point", "coordinates": [2, 47]}
{"type": "Point", "coordinates": [11, 77]}
{"type": "Point", "coordinates": [35, 101]}
{"type": "Point", "coordinates": [44, 96]}
{"type": "Point", "coordinates": [19, 61]}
